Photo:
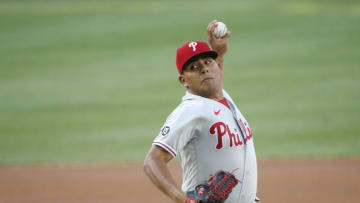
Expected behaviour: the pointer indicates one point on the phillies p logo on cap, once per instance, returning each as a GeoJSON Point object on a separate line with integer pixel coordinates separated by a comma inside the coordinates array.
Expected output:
{"type": "Point", "coordinates": [193, 45]}
{"type": "Point", "coordinates": [190, 50]}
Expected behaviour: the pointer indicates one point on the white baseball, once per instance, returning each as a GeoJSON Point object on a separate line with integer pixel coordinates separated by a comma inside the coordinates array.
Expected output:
{"type": "Point", "coordinates": [221, 30]}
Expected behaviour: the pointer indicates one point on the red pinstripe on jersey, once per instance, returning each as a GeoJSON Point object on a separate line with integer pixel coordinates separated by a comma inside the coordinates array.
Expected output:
{"type": "Point", "coordinates": [166, 147]}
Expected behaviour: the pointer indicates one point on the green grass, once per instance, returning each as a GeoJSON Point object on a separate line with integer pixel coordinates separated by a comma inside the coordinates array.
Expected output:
{"type": "Point", "coordinates": [90, 81]}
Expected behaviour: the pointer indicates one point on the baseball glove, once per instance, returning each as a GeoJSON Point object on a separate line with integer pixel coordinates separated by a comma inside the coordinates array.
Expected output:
{"type": "Point", "coordinates": [215, 190]}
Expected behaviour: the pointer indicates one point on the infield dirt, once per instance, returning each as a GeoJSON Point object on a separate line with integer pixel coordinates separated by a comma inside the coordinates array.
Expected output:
{"type": "Point", "coordinates": [280, 181]}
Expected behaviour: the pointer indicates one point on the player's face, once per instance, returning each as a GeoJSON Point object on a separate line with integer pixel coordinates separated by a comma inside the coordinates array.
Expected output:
{"type": "Point", "coordinates": [202, 77]}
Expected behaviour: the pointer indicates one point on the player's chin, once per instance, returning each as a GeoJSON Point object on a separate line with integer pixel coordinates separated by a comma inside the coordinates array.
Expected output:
{"type": "Point", "coordinates": [208, 88]}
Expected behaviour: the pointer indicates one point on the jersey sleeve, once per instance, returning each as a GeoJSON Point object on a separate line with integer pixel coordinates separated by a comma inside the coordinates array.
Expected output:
{"type": "Point", "coordinates": [179, 128]}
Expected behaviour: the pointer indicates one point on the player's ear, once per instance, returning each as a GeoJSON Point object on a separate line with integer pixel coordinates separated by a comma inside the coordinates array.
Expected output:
{"type": "Point", "coordinates": [182, 80]}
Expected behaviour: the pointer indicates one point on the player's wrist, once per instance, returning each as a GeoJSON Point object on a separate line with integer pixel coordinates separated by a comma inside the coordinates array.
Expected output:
{"type": "Point", "coordinates": [181, 198]}
{"type": "Point", "coordinates": [178, 196]}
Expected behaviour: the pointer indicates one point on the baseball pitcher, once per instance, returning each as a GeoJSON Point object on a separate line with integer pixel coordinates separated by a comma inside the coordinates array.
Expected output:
{"type": "Point", "coordinates": [208, 133]}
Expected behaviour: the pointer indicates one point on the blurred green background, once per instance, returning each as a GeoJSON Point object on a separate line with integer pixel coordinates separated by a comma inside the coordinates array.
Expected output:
{"type": "Point", "coordinates": [93, 81]}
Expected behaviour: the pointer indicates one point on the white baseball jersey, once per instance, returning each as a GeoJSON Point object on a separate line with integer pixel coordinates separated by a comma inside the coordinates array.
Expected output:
{"type": "Point", "coordinates": [207, 138]}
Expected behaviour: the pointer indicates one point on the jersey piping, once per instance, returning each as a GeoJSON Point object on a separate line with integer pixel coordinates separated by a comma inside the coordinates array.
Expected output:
{"type": "Point", "coordinates": [165, 147]}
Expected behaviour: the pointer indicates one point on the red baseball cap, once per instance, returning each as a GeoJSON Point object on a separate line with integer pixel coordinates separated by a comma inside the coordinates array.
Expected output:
{"type": "Point", "coordinates": [190, 50]}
